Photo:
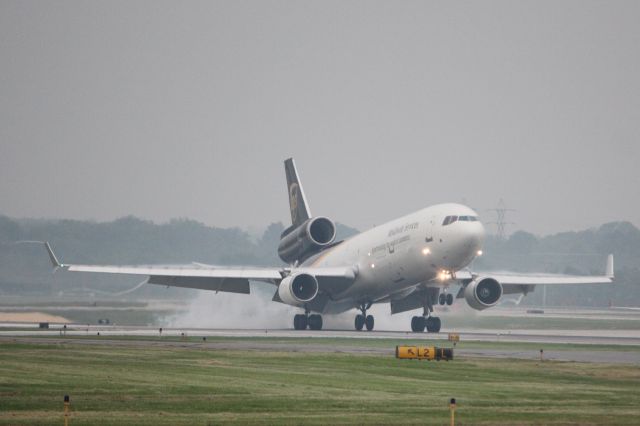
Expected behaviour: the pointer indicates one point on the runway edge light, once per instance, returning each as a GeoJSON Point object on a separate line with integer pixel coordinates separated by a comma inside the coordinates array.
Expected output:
{"type": "Point", "coordinates": [452, 409]}
{"type": "Point", "coordinates": [66, 410]}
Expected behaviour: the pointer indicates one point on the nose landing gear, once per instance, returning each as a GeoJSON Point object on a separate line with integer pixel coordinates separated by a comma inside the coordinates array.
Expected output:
{"type": "Point", "coordinates": [445, 298]}
{"type": "Point", "coordinates": [364, 320]}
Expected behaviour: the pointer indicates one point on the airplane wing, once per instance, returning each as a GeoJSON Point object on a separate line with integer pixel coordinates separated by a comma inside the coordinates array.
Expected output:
{"type": "Point", "coordinates": [198, 276]}
{"type": "Point", "coordinates": [208, 277]}
{"type": "Point", "coordinates": [516, 283]}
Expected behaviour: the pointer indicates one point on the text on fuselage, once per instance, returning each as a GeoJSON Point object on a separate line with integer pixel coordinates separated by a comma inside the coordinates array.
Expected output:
{"type": "Point", "coordinates": [404, 228]}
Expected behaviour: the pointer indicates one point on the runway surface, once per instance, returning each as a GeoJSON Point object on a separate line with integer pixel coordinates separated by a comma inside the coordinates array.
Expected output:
{"type": "Point", "coordinates": [614, 346]}
{"type": "Point", "coordinates": [599, 337]}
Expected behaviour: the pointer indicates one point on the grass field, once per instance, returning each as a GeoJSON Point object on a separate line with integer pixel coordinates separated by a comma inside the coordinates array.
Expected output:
{"type": "Point", "coordinates": [155, 385]}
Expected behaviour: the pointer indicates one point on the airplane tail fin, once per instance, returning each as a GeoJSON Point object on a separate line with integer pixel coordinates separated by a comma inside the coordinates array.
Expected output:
{"type": "Point", "coordinates": [609, 271]}
{"type": "Point", "coordinates": [297, 200]}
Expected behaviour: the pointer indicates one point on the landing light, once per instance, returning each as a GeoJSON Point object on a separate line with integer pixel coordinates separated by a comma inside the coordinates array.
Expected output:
{"type": "Point", "coordinates": [373, 265]}
{"type": "Point", "coordinates": [426, 251]}
{"type": "Point", "coordinates": [479, 253]}
{"type": "Point", "coordinates": [444, 275]}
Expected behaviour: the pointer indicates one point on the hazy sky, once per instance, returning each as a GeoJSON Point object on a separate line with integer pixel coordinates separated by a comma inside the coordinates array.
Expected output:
{"type": "Point", "coordinates": [187, 109]}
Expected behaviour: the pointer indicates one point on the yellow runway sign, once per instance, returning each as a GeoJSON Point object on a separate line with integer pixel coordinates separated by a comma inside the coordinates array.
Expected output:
{"type": "Point", "coordinates": [424, 352]}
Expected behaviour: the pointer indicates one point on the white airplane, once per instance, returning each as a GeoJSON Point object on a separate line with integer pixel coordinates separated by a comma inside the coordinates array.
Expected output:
{"type": "Point", "coordinates": [410, 263]}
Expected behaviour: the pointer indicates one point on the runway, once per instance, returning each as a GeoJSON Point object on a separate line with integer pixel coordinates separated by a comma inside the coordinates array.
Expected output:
{"type": "Point", "coordinates": [596, 337]}
{"type": "Point", "coordinates": [614, 346]}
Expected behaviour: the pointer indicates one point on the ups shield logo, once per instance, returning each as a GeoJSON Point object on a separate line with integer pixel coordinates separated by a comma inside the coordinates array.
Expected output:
{"type": "Point", "coordinates": [294, 197]}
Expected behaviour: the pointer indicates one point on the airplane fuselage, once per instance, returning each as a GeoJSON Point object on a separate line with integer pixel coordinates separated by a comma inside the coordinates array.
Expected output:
{"type": "Point", "coordinates": [393, 258]}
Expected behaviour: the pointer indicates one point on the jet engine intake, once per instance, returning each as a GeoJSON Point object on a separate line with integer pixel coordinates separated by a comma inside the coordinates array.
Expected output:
{"type": "Point", "coordinates": [298, 289]}
{"type": "Point", "coordinates": [306, 239]}
{"type": "Point", "coordinates": [483, 293]}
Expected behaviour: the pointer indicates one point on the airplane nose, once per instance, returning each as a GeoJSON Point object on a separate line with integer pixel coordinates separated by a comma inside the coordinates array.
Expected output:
{"type": "Point", "coordinates": [476, 236]}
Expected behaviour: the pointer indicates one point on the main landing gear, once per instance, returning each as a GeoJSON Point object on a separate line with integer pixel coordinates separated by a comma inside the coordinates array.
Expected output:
{"type": "Point", "coordinates": [431, 323]}
{"type": "Point", "coordinates": [364, 320]}
{"type": "Point", "coordinates": [302, 321]}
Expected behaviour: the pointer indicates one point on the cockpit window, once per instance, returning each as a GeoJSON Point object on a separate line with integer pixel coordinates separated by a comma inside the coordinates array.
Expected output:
{"type": "Point", "coordinates": [451, 219]}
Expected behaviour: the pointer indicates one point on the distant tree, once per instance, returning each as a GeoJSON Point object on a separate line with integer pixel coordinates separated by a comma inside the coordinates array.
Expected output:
{"type": "Point", "coordinates": [9, 229]}
{"type": "Point", "coordinates": [268, 244]}
{"type": "Point", "coordinates": [131, 240]}
{"type": "Point", "coordinates": [521, 242]}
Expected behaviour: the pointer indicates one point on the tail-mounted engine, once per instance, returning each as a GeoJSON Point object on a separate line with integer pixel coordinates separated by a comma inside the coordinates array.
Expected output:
{"type": "Point", "coordinates": [483, 293]}
{"type": "Point", "coordinates": [298, 289]}
{"type": "Point", "coordinates": [308, 238]}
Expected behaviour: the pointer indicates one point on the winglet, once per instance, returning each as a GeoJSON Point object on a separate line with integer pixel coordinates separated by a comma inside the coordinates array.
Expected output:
{"type": "Point", "coordinates": [52, 257]}
{"type": "Point", "coordinates": [609, 270]}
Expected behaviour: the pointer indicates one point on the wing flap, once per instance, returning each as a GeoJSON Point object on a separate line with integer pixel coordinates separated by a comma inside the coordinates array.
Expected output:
{"type": "Point", "coordinates": [230, 285]}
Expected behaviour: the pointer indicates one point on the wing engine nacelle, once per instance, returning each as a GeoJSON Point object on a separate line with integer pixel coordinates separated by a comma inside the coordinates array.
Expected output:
{"type": "Point", "coordinates": [298, 289]}
{"type": "Point", "coordinates": [306, 239]}
{"type": "Point", "coordinates": [483, 293]}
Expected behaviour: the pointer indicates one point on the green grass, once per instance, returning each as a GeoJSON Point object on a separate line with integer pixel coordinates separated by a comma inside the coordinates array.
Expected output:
{"type": "Point", "coordinates": [151, 385]}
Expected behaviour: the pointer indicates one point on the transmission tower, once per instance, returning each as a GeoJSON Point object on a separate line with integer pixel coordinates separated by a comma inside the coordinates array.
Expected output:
{"type": "Point", "coordinates": [501, 220]}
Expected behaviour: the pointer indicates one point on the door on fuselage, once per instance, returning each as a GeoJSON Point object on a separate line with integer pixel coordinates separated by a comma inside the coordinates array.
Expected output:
{"type": "Point", "coordinates": [430, 236]}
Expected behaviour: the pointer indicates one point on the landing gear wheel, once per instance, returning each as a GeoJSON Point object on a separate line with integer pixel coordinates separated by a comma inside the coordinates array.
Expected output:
{"type": "Point", "coordinates": [433, 324]}
{"type": "Point", "coordinates": [449, 299]}
{"type": "Point", "coordinates": [369, 322]}
{"type": "Point", "coordinates": [296, 322]}
{"type": "Point", "coordinates": [417, 324]}
{"type": "Point", "coordinates": [437, 324]}
{"type": "Point", "coordinates": [315, 322]}
{"type": "Point", "coordinates": [442, 298]}
{"type": "Point", "coordinates": [429, 324]}
{"type": "Point", "coordinates": [360, 319]}
{"type": "Point", "coordinates": [300, 322]}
